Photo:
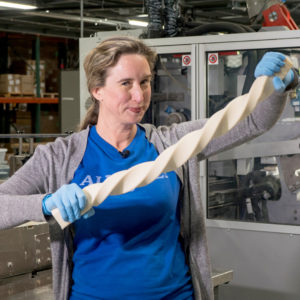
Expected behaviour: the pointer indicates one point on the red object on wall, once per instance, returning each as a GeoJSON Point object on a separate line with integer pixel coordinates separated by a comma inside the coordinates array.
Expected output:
{"type": "Point", "coordinates": [279, 15]}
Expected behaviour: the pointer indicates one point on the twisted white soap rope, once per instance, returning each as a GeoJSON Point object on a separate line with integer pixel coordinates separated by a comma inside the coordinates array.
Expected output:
{"type": "Point", "coordinates": [188, 146]}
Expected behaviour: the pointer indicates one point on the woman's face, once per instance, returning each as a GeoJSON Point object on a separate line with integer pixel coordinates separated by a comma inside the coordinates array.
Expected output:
{"type": "Point", "coordinates": [126, 95]}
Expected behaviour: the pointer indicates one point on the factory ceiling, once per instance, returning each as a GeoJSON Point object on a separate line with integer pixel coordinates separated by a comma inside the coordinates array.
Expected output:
{"type": "Point", "coordinates": [74, 19]}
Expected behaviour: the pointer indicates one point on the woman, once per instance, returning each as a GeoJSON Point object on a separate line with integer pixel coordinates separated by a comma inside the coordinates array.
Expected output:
{"type": "Point", "coordinates": [146, 244]}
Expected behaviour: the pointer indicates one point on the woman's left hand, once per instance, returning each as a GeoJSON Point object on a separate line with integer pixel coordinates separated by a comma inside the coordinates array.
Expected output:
{"type": "Point", "coordinates": [270, 64]}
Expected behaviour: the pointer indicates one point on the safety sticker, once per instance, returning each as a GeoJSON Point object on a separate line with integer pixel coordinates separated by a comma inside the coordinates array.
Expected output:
{"type": "Point", "coordinates": [186, 60]}
{"type": "Point", "coordinates": [213, 59]}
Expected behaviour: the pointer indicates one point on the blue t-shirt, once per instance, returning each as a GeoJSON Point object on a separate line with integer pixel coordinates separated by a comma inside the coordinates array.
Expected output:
{"type": "Point", "coordinates": [130, 248]}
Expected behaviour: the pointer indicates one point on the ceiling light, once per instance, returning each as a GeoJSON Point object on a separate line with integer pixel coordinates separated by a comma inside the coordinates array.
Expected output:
{"type": "Point", "coordinates": [138, 23]}
{"type": "Point", "coordinates": [16, 5]}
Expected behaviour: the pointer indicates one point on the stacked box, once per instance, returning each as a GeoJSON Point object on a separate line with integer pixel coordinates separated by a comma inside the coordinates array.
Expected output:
{"type": "Point", "coordinates": [30, 70]}
{"type": "Point", "coordinates": [27, 84]}
{"type": "Point", "coordinates": [10, 83]}
{"type": "Point", "coordinates": [42, 88]}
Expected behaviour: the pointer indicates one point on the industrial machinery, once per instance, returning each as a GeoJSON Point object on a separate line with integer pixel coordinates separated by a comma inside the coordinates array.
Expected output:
{"type": "Point", "coordinates": [252, 188]}
{"type": "Point", "coordinates": [270, 13]}
{"type": "Point", "coordinates": [171, 18]}
{"type": "Point", "coordinates": [171, 90]}
{"type": "Point", "coordinates": [278, 15]}
{"type": "Point", "coordinates": [249, 192]}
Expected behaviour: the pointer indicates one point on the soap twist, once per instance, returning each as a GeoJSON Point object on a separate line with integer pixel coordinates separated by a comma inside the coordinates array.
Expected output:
{"type": "Point", "coordinates": [188, 146]}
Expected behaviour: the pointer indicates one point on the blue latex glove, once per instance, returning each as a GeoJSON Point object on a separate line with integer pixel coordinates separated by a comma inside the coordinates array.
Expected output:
{"type": "Point", "coordinates": [70, 200]}
{"type": "Point", "coordinates": [271, 63]}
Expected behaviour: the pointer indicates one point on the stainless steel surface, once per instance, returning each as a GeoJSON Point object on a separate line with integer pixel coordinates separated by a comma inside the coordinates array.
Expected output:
{"type": "Point", "coordinates": [265, 264]}
{"type": "Point", "coordinates": [69, 101]}
{"type": "Point", "coordinates": [264, 256]}
{"type": "Point", "coordinates": [221, 277]}
{"type": "Point", "coordinates": [24, 249]}
{"type": "Point", "coordinates": [259, 150]}
{"type": "Point", "coordinates": [37, 286]}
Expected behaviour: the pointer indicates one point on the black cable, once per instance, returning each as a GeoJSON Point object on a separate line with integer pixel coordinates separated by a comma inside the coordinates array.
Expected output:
{"type": "Point", "coordinates": [171, 17]}
{"type": "Point", "coordinates": [154, 13]}
{"type": "Point", "coordinates": [216, 27]}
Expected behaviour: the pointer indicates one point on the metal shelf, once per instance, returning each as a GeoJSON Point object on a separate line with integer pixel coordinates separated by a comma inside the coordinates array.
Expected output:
{"type": "Point", "coordinates": [36, 100]}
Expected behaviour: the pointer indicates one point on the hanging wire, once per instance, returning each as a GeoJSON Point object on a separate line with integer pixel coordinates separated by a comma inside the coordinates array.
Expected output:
{"type": "Point", "coordinates": [171, 17]}
{"type": "Point", "coordinates": [154, 12]}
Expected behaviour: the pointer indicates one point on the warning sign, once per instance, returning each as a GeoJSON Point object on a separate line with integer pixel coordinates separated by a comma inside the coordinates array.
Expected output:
{"type": "Point", "coordinates": [186, 60]}
{"type": "Point", "coordinates": [213, 59]}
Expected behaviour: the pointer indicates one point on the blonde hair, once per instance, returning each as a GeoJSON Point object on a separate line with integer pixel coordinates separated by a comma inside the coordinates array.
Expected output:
{"type": "Point", "coordinates": [105, 56]}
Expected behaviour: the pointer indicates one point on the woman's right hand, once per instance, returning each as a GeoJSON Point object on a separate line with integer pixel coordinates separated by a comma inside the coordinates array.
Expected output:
{"type": "Point", "coordinates": [70, 200]}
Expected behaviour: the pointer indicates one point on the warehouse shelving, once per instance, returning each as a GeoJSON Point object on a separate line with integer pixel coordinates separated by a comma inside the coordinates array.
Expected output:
{"type": "Point", "coordinates": [33, 100]}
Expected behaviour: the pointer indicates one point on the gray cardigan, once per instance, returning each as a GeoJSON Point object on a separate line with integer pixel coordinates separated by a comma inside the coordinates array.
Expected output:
{"type": "Point", "coordinates": [54, 164]}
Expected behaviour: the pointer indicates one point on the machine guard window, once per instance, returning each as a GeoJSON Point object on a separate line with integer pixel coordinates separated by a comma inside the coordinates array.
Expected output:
{"type": "Point", "coordinates": [262, 185]}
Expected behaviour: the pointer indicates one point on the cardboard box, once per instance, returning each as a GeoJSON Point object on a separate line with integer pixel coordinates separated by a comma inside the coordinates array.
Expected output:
{"type": "Point", "coordinates": [27, 84]}
{"type": "Point", "coordinates": [30, 68]}
{"type": "Point", "coordinates": [42, 88]}
{"type": "Point", "coordinates": [10, 83]}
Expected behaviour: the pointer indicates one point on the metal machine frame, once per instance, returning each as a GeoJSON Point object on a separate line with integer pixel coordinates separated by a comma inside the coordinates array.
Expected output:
{"type": "Point", "coordinates": [263, 41]}
{"type": "Point", "coordinates": [259, 253]}
{"type": "Point", "coordinates": [198, 46]}
{"type": "Point", "coordinates": [263, 256]}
